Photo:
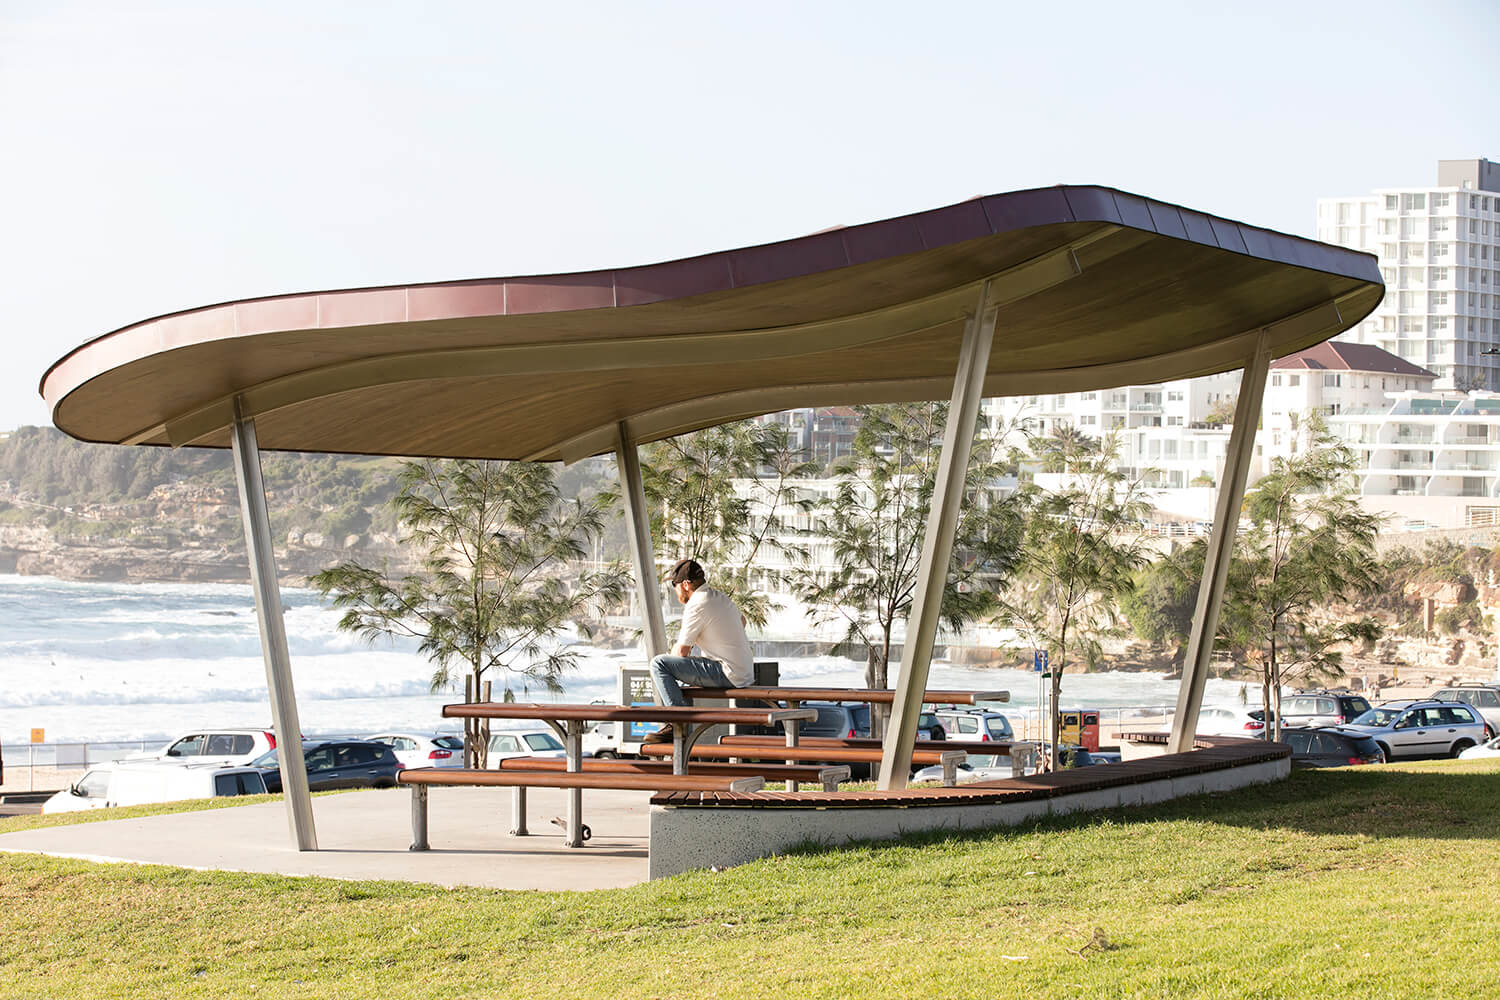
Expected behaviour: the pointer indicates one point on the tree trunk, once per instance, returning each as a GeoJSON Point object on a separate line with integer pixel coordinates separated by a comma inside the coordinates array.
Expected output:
{"type": "Point", "coordinates": [1265, 698]}
{"type": "Point", "coordinates": [1274, 729]}
{"type": "Point", "coordinates": [469, 739]}
{"type": "Point", "coordinates": [1055, 714]}
{"type": "Point", "coordinates": [484, 732]}
{"type": "Point", "coordinates": [877, 674]}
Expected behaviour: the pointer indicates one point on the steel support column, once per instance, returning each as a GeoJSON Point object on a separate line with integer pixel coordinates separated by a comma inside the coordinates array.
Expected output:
{"type": "Point", "coordinates": [1220, 547]}
{"type": "Point", "coordinates": [638, 524]}
{"type": "Point", "coordinates": [937, 544]}
{"type": "Point", "coordinates": [272, 632]}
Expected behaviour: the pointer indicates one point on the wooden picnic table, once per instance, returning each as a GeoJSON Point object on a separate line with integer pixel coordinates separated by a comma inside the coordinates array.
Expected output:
{"type": "Point", "coordinates": [795, 696]}
{"type": "Point", "coordinates": [567, 720]}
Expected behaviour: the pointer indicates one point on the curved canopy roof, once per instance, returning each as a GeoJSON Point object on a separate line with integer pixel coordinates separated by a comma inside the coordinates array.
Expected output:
{"type": "Point", "coordinates": [1098, 288]}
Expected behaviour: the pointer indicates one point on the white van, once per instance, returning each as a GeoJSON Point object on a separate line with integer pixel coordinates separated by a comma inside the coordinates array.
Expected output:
{"type": "Point", "coordinates": [608, 740]}
{"type": "Point", "coordinates": [135, 784]}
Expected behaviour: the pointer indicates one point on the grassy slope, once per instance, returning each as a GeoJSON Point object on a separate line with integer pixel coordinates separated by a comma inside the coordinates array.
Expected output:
{"type": "Point", "coordinates": [1369, 882]}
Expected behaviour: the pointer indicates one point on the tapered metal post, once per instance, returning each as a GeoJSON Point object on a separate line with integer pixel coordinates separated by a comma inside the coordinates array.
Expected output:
{"type": "Point", "coordinates": [419, 818]}
{"type": "Point", "coordinates": [937, 544]}
{"type": "Point", "coordinates": [638, 524]}
{"type": "Point", "coordinates": [1220, 547]}
{"type": "Point", "coordinates": [272, 632]}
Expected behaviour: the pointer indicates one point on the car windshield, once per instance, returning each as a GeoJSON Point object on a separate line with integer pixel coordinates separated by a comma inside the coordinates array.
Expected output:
{"type": "Point", "coordinates": [542, 741]}
{"type": "Point", "coordinates": [1378, 717]}
{"type": "Point", "coordinates": [267, 759]}
{"type": "Point", "coordinates": [983, 760]}
{"type": "Point", "coordinates": [448, 742]}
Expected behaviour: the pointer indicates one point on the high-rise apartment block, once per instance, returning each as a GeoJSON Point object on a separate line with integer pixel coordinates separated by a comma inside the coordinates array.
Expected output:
{"type": "Point", "coordinates": [1439, 250]}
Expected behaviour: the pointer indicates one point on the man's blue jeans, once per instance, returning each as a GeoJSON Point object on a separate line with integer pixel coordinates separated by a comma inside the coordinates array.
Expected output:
{"type": "Point", "coordinates": [668, 673]}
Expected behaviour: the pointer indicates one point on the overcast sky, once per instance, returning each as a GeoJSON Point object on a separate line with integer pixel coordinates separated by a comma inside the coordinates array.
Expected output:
{"type": "Point", "coordinates": [157, 156]}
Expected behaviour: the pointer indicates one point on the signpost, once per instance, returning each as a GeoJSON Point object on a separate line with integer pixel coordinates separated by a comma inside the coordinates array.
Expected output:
{"type": "Point", "coordinates": [1039, 664]}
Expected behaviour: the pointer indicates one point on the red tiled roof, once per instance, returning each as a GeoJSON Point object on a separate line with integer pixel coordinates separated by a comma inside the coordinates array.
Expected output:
{"type": "Point", "coordinates": [1340, 356]}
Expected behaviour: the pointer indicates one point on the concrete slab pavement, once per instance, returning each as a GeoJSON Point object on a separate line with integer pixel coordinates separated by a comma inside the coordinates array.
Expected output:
{"type": "Point", "coordinates": [365, 835]}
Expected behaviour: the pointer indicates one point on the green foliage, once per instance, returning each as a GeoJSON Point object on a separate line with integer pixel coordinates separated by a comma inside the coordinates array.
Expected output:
{"type": "Point", "coordinates": [1064, 448]}
{"type": "Point", "coordinates": [1308, 544]}
{"type": "Point", "coordinates": [876, 520]}
{"type": "Point", "coordinates": [1082, 549]}
{"type": "Point", "coordinates": [1160, 606]}
{"type": "Point", "coordinates": [1221, 413]}
{"type": "Point", "coordinates": [1465, 617]}
{"type": "Point", "coordinates": [493, 538]}
{"type": "Point", "coordinates": [696, 510]}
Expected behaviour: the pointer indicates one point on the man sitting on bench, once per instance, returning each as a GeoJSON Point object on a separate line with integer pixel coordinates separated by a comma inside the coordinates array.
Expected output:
{"type": "Point", "coordinates": [711, 622]}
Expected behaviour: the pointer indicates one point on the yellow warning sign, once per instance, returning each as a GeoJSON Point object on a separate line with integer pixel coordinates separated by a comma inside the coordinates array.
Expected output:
{"type": "Point", "coordinates": [39, 736]}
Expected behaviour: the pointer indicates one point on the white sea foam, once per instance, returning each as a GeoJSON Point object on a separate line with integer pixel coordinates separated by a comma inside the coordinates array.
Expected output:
{"type": "Point", "coordinates": [94, 662]}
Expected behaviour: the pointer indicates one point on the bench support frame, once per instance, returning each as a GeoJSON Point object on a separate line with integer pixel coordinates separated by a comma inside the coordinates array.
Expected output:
{"type": "Point", "coordinates": [419, 818]}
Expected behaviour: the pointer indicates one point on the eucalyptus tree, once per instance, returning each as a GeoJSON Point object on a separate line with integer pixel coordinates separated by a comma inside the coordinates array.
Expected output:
{"type": "Point", "coordinates": [501, 556]}
{"type": "Point", "coordinates": [1084, 542]}
{"type": "Point", "coordinates": [1305, 544]}
{"type": "Point", "coordinates": [869, 531]}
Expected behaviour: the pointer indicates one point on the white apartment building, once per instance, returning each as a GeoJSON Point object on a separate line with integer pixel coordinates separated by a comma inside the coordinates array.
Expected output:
{"type": "Point", "coordinates": [1439, 251]}
{"type": "Point", "coordinates": [1361, 391]}
{"type": "Point", "coordinates": [1162, 428]}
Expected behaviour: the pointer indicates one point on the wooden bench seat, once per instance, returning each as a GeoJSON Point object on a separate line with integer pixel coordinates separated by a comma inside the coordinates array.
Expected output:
{"type": "Point", "coordinates": [874, 696]}
{"type": "Point", "coordinates": [827, 776]}
{"type": "Point", "coordinates": [1023, 758]}
{"type": "Point", "coordinates": [422, 778]}
{"type": "Point", "coordinates": [999, 748]}
{"type": "Point", "coordinates": [949, 759]}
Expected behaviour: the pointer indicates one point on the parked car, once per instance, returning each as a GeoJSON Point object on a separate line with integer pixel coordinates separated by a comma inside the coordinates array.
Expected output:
{"type": "Point", "coordinates": [1488, 749]}
{"type": "Point", "coordinates": [229, 746]}
{"type": "Point", "coordinates": [977, 767]}
{"type": "Point", "coordinates": [154, 781]}
{"type": "Point", "coordinates": [929, 727]}
{"type": "Point", "coordinates": [1071, 756]}
{"type": "Point", "coordinates": [338, 764]}
{"type": "Point", "coordinates": [1331, 747]}
{"type": "Point", "coordinates": [424, 749]}
{"type": "Point", "coordinates": [1483, 698]}
{"type": "Point", "coordinates": [847, 720]}
{"type": "Point", "coordinates": [1322, 708]}
{"type": "Point", "coordinates": [525, 743]}
{"type": "Point", "coordinates": [975, 724]}
{"type": "Point", "coordinates": [1215, 720]}
{"type": "Point", "coordinates": [1422, 728]}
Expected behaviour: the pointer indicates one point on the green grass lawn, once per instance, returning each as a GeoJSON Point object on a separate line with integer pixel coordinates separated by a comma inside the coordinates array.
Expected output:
{"type": "Point", "coordinates": [1367, 882]}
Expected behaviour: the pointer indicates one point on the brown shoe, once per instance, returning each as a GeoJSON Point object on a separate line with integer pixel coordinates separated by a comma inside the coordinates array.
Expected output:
{"type": "Point", "coordinates": [662, 735]}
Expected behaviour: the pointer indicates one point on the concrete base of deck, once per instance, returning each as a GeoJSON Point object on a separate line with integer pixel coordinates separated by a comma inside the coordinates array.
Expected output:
{"type": "Point", "coordinates": [723, 833]}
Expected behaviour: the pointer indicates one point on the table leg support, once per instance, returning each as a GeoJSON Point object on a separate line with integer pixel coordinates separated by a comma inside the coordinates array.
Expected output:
{"type": "Point", "coordinates": [573, 745]}
{"type": "Point", "coordinates": [575, 817]}
{"type": "Point", "coordinates": [419, 818]}
{"type": "Point", "coordinates": [518, 812]}
{"type": "Point", "coordinates": [793, 728]}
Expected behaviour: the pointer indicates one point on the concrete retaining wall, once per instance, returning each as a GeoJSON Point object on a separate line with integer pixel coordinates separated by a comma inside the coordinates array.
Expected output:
{"type": "Point", "coordinates": [684, 838]}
